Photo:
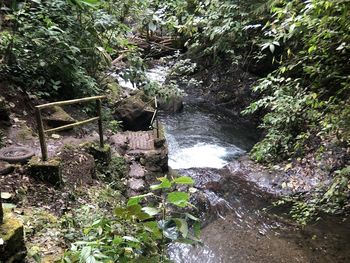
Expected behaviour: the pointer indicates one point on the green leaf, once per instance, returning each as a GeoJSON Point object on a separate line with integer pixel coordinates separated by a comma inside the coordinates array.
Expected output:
{"type": "Point", "coordinates": [130, 238]}
{"type": "Point", "coordinates": [169, 229]}
{"type": "Point", "coordinates": [151, 211]}
{"type": "Point", "coordinates": [152, 227]}
{"type": "Point", "coordinates": [192, 217]}
{"type": "Point", "coordinates": [183, 180]}
{"type": "Point", "coordinates": [182, 226]}
{"type": "Point", "coordinates": [91, 259]}
{"type": "Point", "coordinates": [152, 26]}
{"type": "Point", "coordinates": [178, 198]}
{"type": "Point", "coordinates": [197, 229]}
{"type": "Point", "coordinates": [136, 199]}
{"type": "Point", "coordinates": [165, 183]}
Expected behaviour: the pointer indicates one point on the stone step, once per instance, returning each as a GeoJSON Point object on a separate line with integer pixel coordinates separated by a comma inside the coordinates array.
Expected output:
{"type": "Point", "coordinates": [136, 171]}
{"type": "Point", "coordinates": [136, 185]}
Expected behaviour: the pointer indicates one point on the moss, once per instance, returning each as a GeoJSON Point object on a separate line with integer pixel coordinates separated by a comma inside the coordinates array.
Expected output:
{"type": "Point", "coordinates": [25, 133]}
{"type": "Point", "coordinates": [114, 172]}
{"type": "Point", "coordinates": [102, 155]}
{"type": "Point", "coordinates": [11, 231]}
{"type": "Point", "coordinates": [49, 171]}
{"type": "Point", "coordinates": [9, 227]}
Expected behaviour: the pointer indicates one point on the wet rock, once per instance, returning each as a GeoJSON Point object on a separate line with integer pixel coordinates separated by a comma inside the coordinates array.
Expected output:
{"type": "Point", "coordinates": [174, 104]}
{"type": "Point", "coordinates": [12, 247]}
{"type": "Point", "coordinates": [245, 169]}
{"type": "Point", "coordinates": [119, 143]}
{"type": "Point", "coordinates": [136, 184]}
{"type": "Point", "coordinates": [56, 117]}
{"type": "Point", "coordinates": [135, 114]}
{"type": "Point", "coordinates": [136, 171]}
{"type": "Point", "coordinates": [157, 160]}
{"type": "Point", "coordinates": [6, 168]}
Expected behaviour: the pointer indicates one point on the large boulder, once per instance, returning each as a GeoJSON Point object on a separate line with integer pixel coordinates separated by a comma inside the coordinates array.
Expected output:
{"type": "Point", "coordinates": [173, 104]}
{"type": "Point", "coordinates": [135, 113]}
{"type": "Point", "coordinates": [56, 117]}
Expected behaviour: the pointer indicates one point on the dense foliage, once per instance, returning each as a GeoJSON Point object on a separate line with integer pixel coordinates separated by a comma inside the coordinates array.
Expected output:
{"type": "Point", "coordinates": [307, 96]}
{"type": "Point", "coordinates": [141, 230]}
{"type": "Point", "coordinates": [61, 48]}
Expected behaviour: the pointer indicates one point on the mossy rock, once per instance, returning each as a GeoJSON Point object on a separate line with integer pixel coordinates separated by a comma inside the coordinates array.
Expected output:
{"type": "Point", "coordinates": [102, 155]}
{"type": "Point", "coordinates": [49, 171]}
{"type": "Point", "coordinates": [57, 117]}
{"type": "Point", "coordinates": [12, 247]}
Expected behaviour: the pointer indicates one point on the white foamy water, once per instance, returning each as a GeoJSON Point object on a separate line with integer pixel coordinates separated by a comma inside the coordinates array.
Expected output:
{"type": "Point", "coordinates": [200, 155]}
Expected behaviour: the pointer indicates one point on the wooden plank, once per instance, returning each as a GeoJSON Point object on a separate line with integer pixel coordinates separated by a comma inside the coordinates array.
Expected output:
{"type": "Point", "coordinates": [41, 133]}
{"type": "Point", "coordinates": [72, 125]}
{"type": "Point", "coordinates": [68, 102]}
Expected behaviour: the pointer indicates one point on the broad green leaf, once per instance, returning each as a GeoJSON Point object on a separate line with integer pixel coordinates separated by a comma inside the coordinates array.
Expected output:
{"type": "Point", "coordinates": [151, 211]}
{"type": "Point", "coordinates": [165, 183]}
{"type": "Point", "coordinates": [178, 198]}
{"type": "Point", "coordinates": [183, 180]}
{"type": "Point", "coordinates": [152, 227]}
{"type": "Point", "coordinates": [136, 199]}
{"type": "Point", "coordinates": [197, 229]}
{"type": "Point", "coordinates": [182, 226]}
{"type": "Point", "coordinates": [90, 259]}
{"type": "Point", "coordinates": [192, 217]}
{"type": "Point", "coordinates": [169, 229]}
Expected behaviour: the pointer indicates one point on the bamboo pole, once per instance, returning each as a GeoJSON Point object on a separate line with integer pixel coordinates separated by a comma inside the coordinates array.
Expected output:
{"type": "Point", "coordinates": [67, 102]}
{"type": "Point", "coordinates": [41, 130]}
{"type": "Point", "coordinates": [68, 126]}
{"type": "Point", "coordinates": [41, 134]}
{"type": "Point", "coordinates": [100, 128]}
{"type": "Point", "coordinates": [1, 211]}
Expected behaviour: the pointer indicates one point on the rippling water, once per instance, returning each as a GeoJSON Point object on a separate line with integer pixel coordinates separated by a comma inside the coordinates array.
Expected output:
{"type": "Point", "coordinates": [201, 142]}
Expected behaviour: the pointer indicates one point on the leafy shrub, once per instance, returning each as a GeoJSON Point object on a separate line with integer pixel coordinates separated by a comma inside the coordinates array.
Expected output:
{"type": "Point", "coordinates": [304, 96]}
{"type": "Point", "coordinates": [114, 172]}
{"type": "Point", "coordinates": [60, 48]}
{"type": "Point", "coordinates": [139, 233]}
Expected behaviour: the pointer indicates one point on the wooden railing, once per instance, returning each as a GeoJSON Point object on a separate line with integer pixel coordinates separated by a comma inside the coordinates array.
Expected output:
{"type": "Point", "coordinates": [154, 117]}
{"type": "Point", "coordinates": [42, 131]}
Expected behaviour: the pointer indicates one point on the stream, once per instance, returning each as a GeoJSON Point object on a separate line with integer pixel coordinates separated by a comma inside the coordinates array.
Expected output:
{"type": "Point", "coordinates": [237, 228]}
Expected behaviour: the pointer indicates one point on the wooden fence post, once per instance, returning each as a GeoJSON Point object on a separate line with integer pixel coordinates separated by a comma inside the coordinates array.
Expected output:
{"type": "Point", "coordinates": [41, 135]}
{"type": "Point", "coordinates": [1, 211]}
{"type": "Point", "coordinates": [100, 128]}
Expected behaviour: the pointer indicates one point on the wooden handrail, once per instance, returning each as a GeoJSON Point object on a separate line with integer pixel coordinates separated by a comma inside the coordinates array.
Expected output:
{"type": "Point", "coordinates": [42, 132]}
{"type": "Point", "coordinates": [69, 102]}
